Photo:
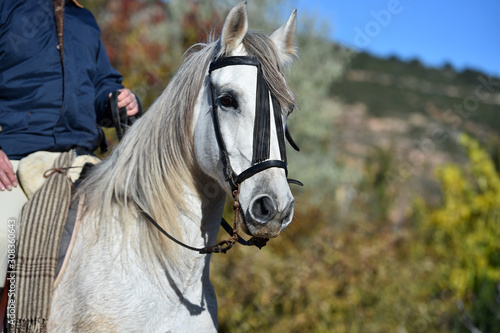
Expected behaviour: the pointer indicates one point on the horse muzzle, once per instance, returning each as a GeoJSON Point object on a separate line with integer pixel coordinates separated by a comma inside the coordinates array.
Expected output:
{"type": "Point", "coordinates": [265, 218]}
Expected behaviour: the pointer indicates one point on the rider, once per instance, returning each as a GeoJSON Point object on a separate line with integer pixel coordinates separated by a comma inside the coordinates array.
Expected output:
{"type": "Point", "coordinates": [54, 90]}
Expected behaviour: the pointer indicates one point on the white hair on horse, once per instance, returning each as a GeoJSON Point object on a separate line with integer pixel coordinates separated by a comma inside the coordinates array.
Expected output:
{"type": "Point", "coordinates": [154, 164]}
{"type": "Point", "coordinates": [122, 273]}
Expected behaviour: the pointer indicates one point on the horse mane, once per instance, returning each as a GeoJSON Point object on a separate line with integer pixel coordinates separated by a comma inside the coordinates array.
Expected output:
{"type": "Point", "coordinates": [153, 166]}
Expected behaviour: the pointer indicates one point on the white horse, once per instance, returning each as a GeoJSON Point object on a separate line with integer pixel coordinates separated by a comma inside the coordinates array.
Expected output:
{"type": "Point", "coordinates": [177, 163]}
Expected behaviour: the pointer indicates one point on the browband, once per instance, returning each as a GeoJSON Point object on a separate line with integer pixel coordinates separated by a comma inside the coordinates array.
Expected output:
{"type": "Point", "coordinates": [233, 61]}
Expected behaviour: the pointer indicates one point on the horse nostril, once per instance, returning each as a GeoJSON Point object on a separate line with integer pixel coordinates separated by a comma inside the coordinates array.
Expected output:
{"type": "Point", "coordinates": [263, 209]}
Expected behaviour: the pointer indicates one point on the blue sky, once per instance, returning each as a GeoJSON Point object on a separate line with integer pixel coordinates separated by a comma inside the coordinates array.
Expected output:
{"type": "Point", "coordinates": [464, 33]}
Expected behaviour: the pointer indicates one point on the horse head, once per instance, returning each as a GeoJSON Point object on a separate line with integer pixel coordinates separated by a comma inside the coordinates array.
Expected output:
{"type": "Point", "coordinates": [242, 146]}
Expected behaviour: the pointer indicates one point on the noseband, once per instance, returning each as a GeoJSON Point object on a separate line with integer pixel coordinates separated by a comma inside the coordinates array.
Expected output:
{"type": "Point", "coordinates": [262, 127]}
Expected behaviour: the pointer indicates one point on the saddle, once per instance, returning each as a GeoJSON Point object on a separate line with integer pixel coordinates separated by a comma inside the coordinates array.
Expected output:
{"type": "Point", "coordinates": [48, 181]}
{"type": "Point", "coordinates": [32, 169]}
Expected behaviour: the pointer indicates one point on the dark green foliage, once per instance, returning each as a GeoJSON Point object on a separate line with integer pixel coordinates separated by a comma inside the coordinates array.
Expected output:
{"type": "Point", "coordinates": [412, 87]}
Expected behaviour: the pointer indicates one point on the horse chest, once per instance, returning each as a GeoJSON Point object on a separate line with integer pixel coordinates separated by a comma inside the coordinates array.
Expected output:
{"type": "Point", "coordinates": [121, 294]}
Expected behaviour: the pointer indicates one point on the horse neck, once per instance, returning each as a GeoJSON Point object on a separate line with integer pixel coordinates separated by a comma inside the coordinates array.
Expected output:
{"type": "Point", "coordinates": [201, 222]}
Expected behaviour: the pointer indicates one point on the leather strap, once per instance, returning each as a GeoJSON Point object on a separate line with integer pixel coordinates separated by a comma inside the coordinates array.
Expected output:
{"type": "Point", "coordinates": [172, 238]}
{"type": "Point", "coordinates": [256, 168]}
{"type": "Point", "coordinates": [262, 125]}
{"type": "Point", "coordinates": [119, 115]}
{"type": "Point", "coordinates": [227, 170]}
{"type": "Point", "coordinates": [233, 61]}
{"type": "Point", "coordinates": [218, 248]}
{"type": "Point", "coordinates": [290, 139]}
{"type": "Point", "coordinates": [262, 130]}
{"type": "Point", "coordinates": [120, 119]}
{"type": "Point", "coordinates": [278, 120]}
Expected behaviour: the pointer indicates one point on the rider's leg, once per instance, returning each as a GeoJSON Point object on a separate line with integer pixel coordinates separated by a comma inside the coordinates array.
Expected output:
{"type": "Point", "coordinates": [11, 203]}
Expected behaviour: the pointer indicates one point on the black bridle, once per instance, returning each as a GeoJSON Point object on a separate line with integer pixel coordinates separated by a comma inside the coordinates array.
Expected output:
{"type": "Point", "coordinates": [262, 126]}
{"type": "Point", "coordinates": [261, 153]}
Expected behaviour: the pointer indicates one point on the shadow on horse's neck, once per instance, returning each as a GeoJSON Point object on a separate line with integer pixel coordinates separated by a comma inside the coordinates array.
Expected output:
{"type": "Point", "coordinates": [193, 309]}
{"type": "Point", "coordinates": [200, 218]}
{"type": "Point", "coordinates": [210, 198]}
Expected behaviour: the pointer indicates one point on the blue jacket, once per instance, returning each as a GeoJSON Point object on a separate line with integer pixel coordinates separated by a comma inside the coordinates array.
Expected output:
{"type": "Point", "coordinates": [43, 104]}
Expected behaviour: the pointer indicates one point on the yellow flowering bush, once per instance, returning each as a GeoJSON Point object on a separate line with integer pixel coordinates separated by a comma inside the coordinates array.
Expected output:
{"type": "Point", "coordinates": [464, 236]}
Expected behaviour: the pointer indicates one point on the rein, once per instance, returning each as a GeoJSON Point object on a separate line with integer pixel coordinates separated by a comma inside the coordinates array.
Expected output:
{"type": "Point", "coordinates": [120, 119]}
{"type": "Point", "coordinates": [222, 246]}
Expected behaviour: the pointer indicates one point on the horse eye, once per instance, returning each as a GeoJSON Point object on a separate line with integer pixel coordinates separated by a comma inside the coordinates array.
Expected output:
{"type": "Point", "coordinates": [228, 101]}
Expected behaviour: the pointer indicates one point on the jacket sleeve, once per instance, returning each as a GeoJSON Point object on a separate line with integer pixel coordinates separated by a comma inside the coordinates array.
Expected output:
{"type": "Point", "coordinates": [107, 80]}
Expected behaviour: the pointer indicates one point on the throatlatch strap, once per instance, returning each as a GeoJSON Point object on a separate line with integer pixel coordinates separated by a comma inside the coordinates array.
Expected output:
{"type": "Point", "coordinates": [290, 140]}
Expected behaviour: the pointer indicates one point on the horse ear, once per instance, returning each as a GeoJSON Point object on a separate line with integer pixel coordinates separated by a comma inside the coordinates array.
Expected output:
{"type": "Point", "coordinates": [284, 38]}
{"type": "Point", "coordinates": [235, 28]}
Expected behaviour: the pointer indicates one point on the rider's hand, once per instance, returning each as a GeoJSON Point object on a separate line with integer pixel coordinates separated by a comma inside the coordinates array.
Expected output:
{"type": "Point", "coordinates": [127, 99]}
{"type": "Point", "coordinates": [7, 176]}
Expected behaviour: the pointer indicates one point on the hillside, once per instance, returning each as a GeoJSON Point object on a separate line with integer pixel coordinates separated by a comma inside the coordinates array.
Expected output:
{"type": "Point", "coordinates": [408, 118]}
{"type": "Point", "coordinates": [394, 87]}
{"type": "Point", "coordinates": [467, 101]}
